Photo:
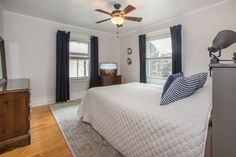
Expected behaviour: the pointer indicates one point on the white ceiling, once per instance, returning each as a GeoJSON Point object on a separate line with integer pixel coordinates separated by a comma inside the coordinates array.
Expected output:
{"type": "Point", "coordinates": [81, 12]}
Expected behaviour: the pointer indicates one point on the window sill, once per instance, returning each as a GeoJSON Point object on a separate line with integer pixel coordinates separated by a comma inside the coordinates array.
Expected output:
{"type": "Point", "coordinates": [157, 78]}
{"type": "Point", "coordinates": [156, 81]}
{"type": "Point", "coordinates": [79, 79]}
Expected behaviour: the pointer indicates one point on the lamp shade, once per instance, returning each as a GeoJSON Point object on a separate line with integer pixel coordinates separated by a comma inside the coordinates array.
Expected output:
{"type": "Point", "coordinates": [223, 40]}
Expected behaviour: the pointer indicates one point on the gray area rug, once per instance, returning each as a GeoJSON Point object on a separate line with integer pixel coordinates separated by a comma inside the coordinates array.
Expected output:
{"type": "Point", "coordinates": [81, 138]}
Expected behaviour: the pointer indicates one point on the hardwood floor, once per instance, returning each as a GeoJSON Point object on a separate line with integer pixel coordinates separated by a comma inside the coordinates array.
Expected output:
{"type": "Point", "coordinates": [46, 138]}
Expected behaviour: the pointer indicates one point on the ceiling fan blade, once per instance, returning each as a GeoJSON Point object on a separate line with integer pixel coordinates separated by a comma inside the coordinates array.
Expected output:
{"type": "Point", "coordinates": [103, 20]}
{"type": "Point", "coordinates": [128, 9]}
{"type": "Point", "coordinates": [119, 26]}
{"type": "Point", "coordinates": [137, 19]}
{"type": "Point", "coordinates": [103, 11]}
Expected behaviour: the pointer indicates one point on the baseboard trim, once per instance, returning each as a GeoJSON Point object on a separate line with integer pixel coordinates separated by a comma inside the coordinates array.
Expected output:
{"type": "Point", "coordinates": [15, 142]}
{"type": "Point", "coordinates": [37, 102]}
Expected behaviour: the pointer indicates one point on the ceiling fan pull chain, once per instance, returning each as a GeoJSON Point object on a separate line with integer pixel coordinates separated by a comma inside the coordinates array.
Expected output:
{"type": "Point", "coordinates": [117, 32]}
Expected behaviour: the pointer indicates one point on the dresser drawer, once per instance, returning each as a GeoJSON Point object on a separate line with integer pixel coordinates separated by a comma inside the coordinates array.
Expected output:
{"type": "Point", "coordinates": [14, 115]}
{"type": "Point", "coordinates": [116, 80]}
{"type": "Point", "coordinates": [109, 80]}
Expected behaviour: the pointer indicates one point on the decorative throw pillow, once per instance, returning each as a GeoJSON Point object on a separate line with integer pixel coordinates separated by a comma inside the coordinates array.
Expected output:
{"type": "Point", "coordinates": [202, 81]}
{"type": "Point", "coordinates": [183, 87]}
{"type": "Point", "coordinates": [170, 80]}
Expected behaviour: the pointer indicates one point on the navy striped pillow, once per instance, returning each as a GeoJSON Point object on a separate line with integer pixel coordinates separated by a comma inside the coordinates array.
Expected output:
{"type": "Point", "coordinates": [170, 80]}
{"type": "Point", "coordinates": [183, 87]}
{"type": "Point", "coordinates": [202, 79]}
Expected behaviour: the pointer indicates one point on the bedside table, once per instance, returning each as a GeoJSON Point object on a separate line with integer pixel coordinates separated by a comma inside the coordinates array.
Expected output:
{"type": "Point", "coordinates": [109, 80]}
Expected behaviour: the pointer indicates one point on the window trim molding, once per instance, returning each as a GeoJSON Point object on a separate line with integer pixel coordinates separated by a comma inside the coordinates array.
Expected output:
{"type": "Point", "coordinates": [158, 37]}
{"type": "Point", "coordinates": [158, 33]}
{"type": "Point", "coordinates": [74, 79]}
{"type": "Point", "coordinates": [158, 78]}
{"type": "Point", "coordinates": [79, 57]}
{"type": "Point", "coordinates": [159, 58]}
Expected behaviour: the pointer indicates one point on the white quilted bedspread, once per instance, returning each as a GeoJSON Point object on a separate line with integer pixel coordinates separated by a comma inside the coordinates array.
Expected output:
{"type": "Point", "coordinates": [130, 118]}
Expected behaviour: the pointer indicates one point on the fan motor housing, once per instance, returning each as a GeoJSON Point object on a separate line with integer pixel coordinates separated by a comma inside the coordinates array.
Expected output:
{"type": "Point", "coordinates": [117, 6]}
{"type": "Point", "coordinates": [117, 12]}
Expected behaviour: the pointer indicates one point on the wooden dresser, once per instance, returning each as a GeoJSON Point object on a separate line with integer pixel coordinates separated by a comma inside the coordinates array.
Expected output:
{"type": "Point", "coordinates": [108, 80]}
{"type": "Point", "coordinates": [14, 114]}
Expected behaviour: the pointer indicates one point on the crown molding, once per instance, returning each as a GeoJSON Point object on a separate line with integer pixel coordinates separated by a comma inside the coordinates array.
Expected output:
{"type": "Point", "coordinates": [74, 27]}
{"type": "Point", "coordinates": [176, 18]}
{"type": "Point", "coordinates": [121, 33]}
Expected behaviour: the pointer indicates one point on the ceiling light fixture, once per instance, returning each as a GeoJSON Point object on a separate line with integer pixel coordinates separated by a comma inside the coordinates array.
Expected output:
{"type": "Point", "coordinates": [117, 19]}
{"type": "Point", "coordinates": [118, 16]}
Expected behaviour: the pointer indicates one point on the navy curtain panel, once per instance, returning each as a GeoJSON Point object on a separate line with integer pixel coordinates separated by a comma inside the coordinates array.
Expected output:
{"type": "Point", "coordinates": [142, 58]}
{"type": "Point", "coordinates": [176, 39]}
{"type": "Point", "coordinates": [62, 66]}
{"type": "Point", "coordinates": [94, 74]}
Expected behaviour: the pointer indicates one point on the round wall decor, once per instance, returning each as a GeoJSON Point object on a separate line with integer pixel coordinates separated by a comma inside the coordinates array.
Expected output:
{"type": "Point", "coordinates": [129, 51]}
{"type": "Point", "coordinates": [129, 61]}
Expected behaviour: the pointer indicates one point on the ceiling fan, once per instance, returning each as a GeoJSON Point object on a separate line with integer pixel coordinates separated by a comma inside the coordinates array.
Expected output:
{"type": "Point", "coordinates": [118, 16]}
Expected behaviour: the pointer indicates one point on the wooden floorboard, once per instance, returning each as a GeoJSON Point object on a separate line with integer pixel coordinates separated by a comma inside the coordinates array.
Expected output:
{"type": "Point", "coordinates": [46, 138]}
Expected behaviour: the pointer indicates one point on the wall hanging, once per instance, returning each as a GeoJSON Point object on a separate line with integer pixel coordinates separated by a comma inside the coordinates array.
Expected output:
{"type": "Point", "coordinates": [129, 51]}
{"type": "Point", "coordinates": [129, 61]}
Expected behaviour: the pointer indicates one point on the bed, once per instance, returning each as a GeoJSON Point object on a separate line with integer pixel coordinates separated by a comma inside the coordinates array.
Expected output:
{"type": "Point", "coordinates": [130, 118]}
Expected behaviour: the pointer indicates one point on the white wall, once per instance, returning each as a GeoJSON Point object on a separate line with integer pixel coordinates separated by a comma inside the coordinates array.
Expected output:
{"type": "Point", "coordinates": [31, 53]}
{"type": "Point", "coordinates": [199, 29]}
{"type": "Point", "coordinates": [31, 42]}
{"type": "Point", "coordinates": [1, 20]}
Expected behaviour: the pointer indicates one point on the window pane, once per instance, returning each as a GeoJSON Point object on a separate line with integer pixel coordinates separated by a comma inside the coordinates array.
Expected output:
{"type": "Point", "coordinates": [73, 68]}
{"type": "Point", "coordinates": [159, 58]}
{"type": "Point", "coordinates": [159, 68]}
{"type": "Point", "coordinates": [81, 71]}
{"type": "Point", "coordinates": [78, 47]}
{"type": "Point", "coordinates": [79, 52]}
{"type": "Point", "coordinates": [87, 67]}
{"type": "Point", "coordinates": [159, 48]}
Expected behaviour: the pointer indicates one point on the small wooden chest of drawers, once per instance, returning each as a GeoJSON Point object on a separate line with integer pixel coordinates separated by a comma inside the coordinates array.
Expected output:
{"type": "Point", "coordinates": [109, 80]}
{"type": "Point", "coordinates": [14, 114]}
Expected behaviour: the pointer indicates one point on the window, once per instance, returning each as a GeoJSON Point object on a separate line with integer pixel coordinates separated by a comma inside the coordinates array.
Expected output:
{"type": "Point", "coordinates": [79, 59]}
{"type": "Point", "coordinates": [159, 58]}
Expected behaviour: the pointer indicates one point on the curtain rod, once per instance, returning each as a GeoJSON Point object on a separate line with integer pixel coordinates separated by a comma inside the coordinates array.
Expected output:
{"type": "Point", "coordinates": [90, 34]}
{"type": "Point", "coordinates": [75, 32]}
{"type": "Point", "coordinates": [81, 33]}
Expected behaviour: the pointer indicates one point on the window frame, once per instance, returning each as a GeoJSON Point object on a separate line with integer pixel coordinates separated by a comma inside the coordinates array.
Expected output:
{"type": "Point", "coordinates": [156, 36]}
{"type": "Point", "coordinates": [81, 56]}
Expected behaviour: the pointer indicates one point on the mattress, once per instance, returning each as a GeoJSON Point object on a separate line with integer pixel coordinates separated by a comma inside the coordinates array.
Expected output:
{"type": "Point", "coordinates": [130, 118]}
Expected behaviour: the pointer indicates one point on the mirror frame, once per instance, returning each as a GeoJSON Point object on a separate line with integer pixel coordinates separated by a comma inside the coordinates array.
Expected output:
{"type": "Point", "coordinates": [3, 59]}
